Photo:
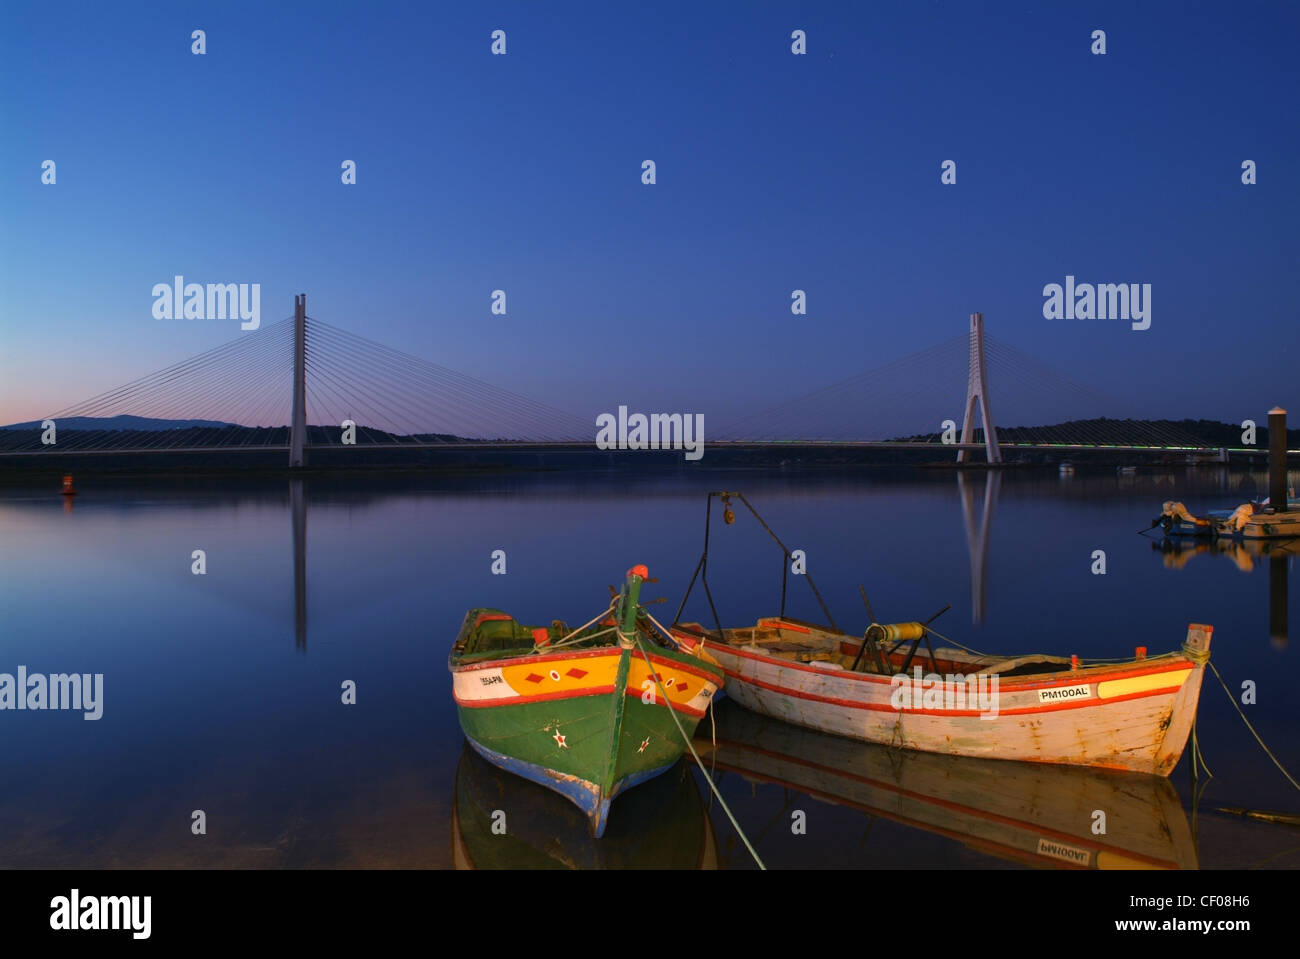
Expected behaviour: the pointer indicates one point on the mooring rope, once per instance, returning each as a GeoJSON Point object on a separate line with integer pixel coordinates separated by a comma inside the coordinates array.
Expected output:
{"type": "Point", "coordinates": [1268, 752]}
{"type": "Point", "coordinates": [686, 739]}
{"type": "Point", "coordinates": [1197, 755]}
{"type": "Point", "coordinates": [565, 641]}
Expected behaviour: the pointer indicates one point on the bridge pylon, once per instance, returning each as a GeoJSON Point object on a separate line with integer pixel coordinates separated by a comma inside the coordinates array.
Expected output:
{"type": "Point", "coordinates": [298, 429]}
{"type": "Point", "coordinates": [977, 389]}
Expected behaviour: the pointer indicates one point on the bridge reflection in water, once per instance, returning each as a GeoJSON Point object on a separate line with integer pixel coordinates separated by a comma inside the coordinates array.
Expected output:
{"type": "Point", "coordinates": [979, 523]}
{"type": "Point", "coordinates": [978, 498]}
{"type": "Point", "coordinates": [298, 509]}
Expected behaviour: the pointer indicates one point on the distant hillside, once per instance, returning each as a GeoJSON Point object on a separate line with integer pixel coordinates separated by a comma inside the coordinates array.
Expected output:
{"type": "Point", "coordinates": [123, 422]}
{"type": "Point", "coordinates": [14, 439]}
{"type": "Point", "coordinates": [1209, 433]}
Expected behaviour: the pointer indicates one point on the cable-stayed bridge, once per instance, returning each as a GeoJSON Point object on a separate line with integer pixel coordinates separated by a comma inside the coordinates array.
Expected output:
{"type": "Point", "coordinates": [302, 384]}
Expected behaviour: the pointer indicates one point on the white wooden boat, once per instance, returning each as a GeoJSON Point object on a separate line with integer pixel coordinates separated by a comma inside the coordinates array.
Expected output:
{"type": "Point", "coordinates": [1134, 715]}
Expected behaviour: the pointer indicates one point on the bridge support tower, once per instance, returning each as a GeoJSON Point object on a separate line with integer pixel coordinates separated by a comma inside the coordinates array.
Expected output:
{"type": "Point", "coordinates": [977, 389]}
{"type": "Point", "coordinates": [298, 429]}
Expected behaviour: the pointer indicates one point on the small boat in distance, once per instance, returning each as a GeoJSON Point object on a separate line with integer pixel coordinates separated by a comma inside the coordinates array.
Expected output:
{"type": "Point", "coordinates": [1253, 520]}
{"type": "Point", "coordinates": [588, 712]}
{"type": "Point", "coordinates": [1275, 517]}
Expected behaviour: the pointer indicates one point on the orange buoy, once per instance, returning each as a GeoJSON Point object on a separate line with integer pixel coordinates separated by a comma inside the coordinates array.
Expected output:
{"type": "Point", "coordinates": [68, 488]}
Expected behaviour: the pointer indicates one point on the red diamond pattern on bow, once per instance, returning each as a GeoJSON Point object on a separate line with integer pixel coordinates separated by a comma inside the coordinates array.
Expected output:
{"type": "Point", "coordinates": [681, 687]}
{"type": "Point", "coordinates": [533, 678]}
{"type": "Point", "coordinates": [576, 673]}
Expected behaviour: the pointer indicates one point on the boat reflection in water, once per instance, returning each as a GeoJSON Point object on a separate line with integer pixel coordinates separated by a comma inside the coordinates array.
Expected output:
{"type": "Point", "coordinates": [1036, 814]}
{"type": "Point", "coordinates": [1178, 552]}
{"type": "Point", "coordinates": [662, 824]}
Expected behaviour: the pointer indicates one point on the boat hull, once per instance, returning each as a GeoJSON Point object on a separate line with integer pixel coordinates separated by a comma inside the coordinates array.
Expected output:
{"type": "Point", "coordinates": [1270, 526]}
{"type": "Point", "coordinates": [1136, 718]}
{"type": "Point", "coordinates": [1221, 523]}
{"type": "Point", "coordinates": [588, 724]}
{"type": "Point", "coordinates": [1183, 529]}
{"type": "Point", "coordinates": [585, 794]}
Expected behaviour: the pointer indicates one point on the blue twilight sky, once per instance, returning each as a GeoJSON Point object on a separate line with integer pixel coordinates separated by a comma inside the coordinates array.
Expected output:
{"type": "Point", "coordinates": [775, 172]}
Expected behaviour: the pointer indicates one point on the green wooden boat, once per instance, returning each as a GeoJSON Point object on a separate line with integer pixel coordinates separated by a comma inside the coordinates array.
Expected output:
{"type": "Point", "coordinates": [589, 712]}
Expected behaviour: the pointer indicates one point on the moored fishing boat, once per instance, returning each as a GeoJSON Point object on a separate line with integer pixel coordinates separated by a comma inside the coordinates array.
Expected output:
{"type": "Point", "coordinates": [1275, 517]}
{"type": "Point", "coordinates": [589, 712]}
{"type": "Point", "coordinates": [1134, 715]}
{"type": "Point", "coordinates": [1248, 521]}
{"type": "Point", "coordinates": [1176, 520]}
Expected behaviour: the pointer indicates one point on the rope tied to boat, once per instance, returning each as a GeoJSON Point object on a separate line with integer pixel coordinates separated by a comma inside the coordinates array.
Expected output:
{"type": "Point", "coordinates": [569, 639]}
{"type": "Point", "coordinates": [896, 740]}
{"type": "Point", "coordinates": [668, 704]}
{"type": "Point", "coordinates": [1268, 752]}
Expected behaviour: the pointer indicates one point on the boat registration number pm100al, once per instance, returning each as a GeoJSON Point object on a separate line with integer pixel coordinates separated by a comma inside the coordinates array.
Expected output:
{"type": "Point", "coordinates": [1061, 694]}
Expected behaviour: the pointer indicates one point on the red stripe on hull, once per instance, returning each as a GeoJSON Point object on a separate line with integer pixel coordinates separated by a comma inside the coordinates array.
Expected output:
{"type": "Point", "coordinates": [533, 698]}
{"type": "Point", "coordinates": [572, 694]}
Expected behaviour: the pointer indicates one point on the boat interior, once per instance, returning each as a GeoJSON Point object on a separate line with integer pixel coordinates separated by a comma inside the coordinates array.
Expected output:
{"type": "Point", "coordinates": [804, 642]}
{"type": "Point", "coordinates": [490, 633]}
{"type": "Point", "coordinates": [486, 633]}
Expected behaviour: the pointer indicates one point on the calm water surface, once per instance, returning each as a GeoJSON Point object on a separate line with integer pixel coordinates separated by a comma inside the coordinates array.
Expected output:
{"type": "Point", "coordinates": [222, 692]}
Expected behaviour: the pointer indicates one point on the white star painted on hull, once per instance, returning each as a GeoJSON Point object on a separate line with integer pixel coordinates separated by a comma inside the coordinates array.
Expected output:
{"type": "Point", "coordinates": [560, 740]}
